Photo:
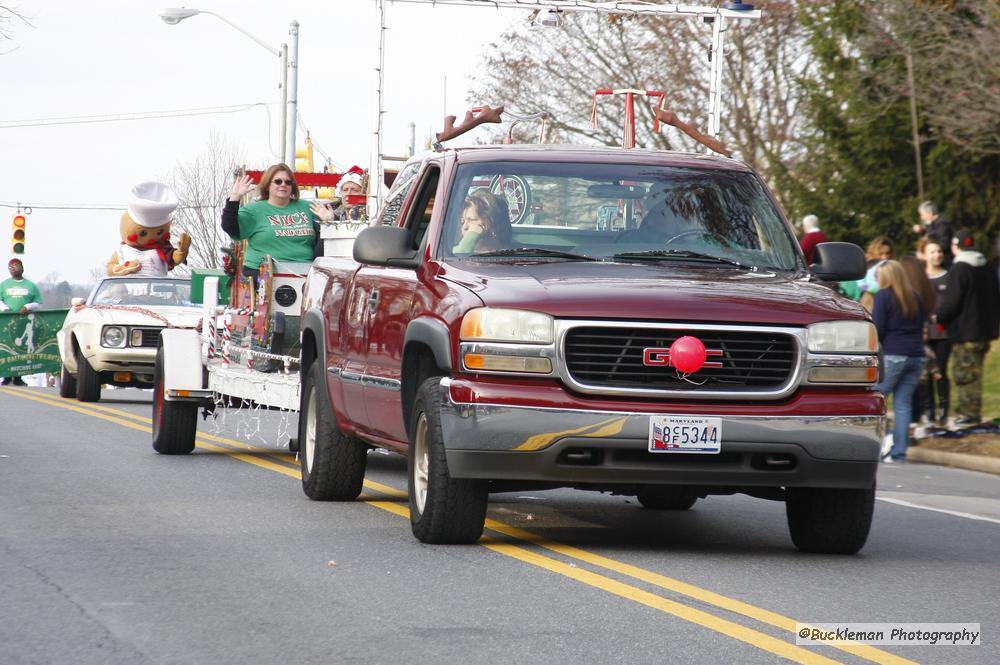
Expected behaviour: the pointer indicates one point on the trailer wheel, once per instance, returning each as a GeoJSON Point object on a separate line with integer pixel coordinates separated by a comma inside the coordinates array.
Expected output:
{"type": "Point", "coordinates": [175, 424]}
{"type": "Point", "coordinates": [88, 380]}
{"type": "Point", "coordinates": [442, 509]}
{"type": "Point", "coordinates": [333, 464]}
{"type": "Point", "coordinates": [67, 383]}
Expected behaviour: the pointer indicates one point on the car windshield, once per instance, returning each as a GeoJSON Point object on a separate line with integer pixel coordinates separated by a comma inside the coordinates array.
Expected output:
{"type": "Point", "coordinates": [143, 292]}
{"type": "Point", "coordinates": [547, 211]}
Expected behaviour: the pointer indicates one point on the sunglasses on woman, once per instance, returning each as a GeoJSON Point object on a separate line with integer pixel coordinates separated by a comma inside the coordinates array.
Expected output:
{"type": "Point", "coordinates": [282, 181]}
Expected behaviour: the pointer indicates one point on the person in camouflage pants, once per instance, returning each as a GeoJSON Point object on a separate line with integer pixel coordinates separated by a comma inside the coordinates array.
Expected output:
{"type": "Point", "coordinates": [967, 370]}
{"type": "Point", "coordinates": [970, 308]}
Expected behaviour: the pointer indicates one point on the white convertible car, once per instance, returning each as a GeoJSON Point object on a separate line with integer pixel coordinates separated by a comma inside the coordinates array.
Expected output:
{"type": "Point", "coordinates": [111, 337]}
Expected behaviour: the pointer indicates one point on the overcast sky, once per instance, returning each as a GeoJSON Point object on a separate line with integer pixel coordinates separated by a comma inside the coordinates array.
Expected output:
{"type": "Point", "coordinates": [100, 57]}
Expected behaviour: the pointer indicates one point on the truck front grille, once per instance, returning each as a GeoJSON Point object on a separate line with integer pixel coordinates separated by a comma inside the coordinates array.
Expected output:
{"type": "Point", "coordinates": [612, 358]}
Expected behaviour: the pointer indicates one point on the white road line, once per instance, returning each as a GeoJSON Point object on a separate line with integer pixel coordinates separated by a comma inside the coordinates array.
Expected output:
{"type": "Point", "coordinates": [955, 513]}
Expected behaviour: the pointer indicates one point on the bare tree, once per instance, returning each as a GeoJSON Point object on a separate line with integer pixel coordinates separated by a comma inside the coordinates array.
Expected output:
{"type": "Point", "coordinates": [954, 50]}
{"type": "Point", "coordinates": [8, 17]}
{"type": "Point", "coordinates": [558, 70]}
{"type": "Point", "coordinates": [203, 186]}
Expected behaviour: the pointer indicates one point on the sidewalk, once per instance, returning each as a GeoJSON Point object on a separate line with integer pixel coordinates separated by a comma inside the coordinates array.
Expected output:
{"type": "Point", "coordinates": [925, 455]}
{"type": "Point", "coordinates": [975, 452]}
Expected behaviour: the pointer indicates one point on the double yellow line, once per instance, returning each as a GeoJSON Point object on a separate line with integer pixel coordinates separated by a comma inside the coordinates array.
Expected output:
{"type": "Point", "coordinates": [513, 547]}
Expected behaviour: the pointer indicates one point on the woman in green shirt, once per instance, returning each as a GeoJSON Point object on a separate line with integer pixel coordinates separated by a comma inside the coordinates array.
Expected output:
{"type": "Point", "coordinates": [278, 223]}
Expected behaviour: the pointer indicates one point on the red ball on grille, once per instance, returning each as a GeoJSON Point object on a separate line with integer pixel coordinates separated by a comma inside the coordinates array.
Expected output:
{"type": "Point", "coordinates": [687, 354]}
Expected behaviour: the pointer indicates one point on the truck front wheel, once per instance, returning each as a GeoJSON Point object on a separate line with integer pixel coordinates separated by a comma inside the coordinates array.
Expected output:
{"type": "Point", "coordinates": [333, 465]}
{"type": "Point", "coordinates": [829, 520]}
{"type": "Point", "coordinates": [442, 509]}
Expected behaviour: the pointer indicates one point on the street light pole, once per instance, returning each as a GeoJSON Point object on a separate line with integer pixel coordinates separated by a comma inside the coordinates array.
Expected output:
{"type": "Point", "coordinates": [291, 97]}
{"type": "Point", "coordinates": [174, 15]}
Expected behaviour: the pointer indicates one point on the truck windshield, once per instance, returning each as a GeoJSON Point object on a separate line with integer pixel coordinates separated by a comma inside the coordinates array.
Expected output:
{"type": "Point", "coordinates": [500, 211]}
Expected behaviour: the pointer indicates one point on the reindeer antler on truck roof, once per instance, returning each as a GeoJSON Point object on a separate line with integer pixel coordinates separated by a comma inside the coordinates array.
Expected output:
{"type": "Point", "coordinates": [473, 118]}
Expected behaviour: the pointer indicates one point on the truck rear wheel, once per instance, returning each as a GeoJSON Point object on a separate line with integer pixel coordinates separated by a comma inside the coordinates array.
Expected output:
{"type": "Point", "coordinates": [333, 465]}
{"type": "Point", "coordinates": [442, 509]}
{"type": "Point", "coordinates": [666, 498]}
{"type": "Point", "coordinates": [829, 521]}
{"type": "Point", "coordinates": [175, 424]}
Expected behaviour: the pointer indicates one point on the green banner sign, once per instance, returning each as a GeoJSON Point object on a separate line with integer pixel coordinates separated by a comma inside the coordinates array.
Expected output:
{"type": "Point", "coordinates": [28, 342]}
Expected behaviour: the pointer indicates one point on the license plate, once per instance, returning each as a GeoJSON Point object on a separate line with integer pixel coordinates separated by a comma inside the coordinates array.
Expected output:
{"type": "Point", "coordinates": [683, 434]}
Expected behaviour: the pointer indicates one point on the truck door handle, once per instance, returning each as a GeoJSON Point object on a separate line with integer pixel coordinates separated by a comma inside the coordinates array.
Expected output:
{"type": "Point", "coordinates": [373, 300]}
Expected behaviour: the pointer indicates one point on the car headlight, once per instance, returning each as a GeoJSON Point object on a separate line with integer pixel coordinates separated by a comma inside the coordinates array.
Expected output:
{"type": "Point", "coordinates": [113, 336]}
{"type": "Point", "coordinates": [842, 337]}
{"type": "Point", "coordinates": [489, 324]}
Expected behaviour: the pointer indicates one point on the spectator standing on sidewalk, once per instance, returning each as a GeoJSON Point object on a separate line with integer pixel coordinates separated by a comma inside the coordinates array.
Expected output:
{"type": "Point", "coordinates": [878, 251]}
{"type": "Point", "coordinates": [935, 226]}
{"type": "Point", "coordinates": [970, 308]}
{"type": "Point", "coordinates": [899, 317]}
{"type": "Point", "coordinates": [937, 333]}
{"type": "Point", "coordinates": [811, 236]}
{"type": "Point", "coordinates": [922, 287]}
{"type": "Point", "coordinates": [20, 296]}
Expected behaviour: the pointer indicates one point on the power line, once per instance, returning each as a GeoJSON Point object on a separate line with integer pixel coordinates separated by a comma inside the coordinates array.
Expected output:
{"type": "Point", "coordinates": [86, 206]}
{"type": "Point", "coordinates": [118, 117]}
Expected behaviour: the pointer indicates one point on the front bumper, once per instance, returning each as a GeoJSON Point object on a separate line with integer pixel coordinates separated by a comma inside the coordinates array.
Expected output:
{"type": "Point", "coordinates": [140, 362]}
{"type": "Point", "coordinates": [602, 447]}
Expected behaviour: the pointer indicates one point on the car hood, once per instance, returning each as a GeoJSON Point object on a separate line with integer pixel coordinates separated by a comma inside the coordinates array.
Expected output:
{"type": "Point", "coordinates": [180, 317]}
{"type": "Point", "coordinates": [655, 291]}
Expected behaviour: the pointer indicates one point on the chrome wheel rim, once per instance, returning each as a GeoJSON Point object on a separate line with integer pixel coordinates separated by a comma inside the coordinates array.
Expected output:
{"type": "Point", "coordinates": [420, 464]}
{"type": "Point", "coordinates": [309, 448]}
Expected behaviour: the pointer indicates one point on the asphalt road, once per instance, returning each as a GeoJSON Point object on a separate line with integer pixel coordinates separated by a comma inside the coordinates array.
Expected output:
{"type": "Point", "coordinates": [110, 553]}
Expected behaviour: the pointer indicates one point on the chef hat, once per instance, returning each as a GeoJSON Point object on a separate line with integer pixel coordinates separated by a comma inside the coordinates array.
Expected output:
{"type": "Point", "coordinates": [150, 204]}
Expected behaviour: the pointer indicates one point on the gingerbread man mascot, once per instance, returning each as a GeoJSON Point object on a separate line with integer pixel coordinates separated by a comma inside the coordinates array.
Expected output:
{"type": "Point", "coordinates": [146, 249]}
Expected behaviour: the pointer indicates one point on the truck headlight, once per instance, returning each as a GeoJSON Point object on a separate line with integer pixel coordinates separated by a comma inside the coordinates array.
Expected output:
{"type": "Point", "coordinates": [489, 324]}
{"type": "Point", "coordinates": [113, 336]}
{"type": "Point", "coordinates": [842, 337]}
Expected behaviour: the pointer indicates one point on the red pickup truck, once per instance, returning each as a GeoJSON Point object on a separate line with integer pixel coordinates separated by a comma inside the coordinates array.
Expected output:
{"type": "Point", "coordinates": [496, 330]}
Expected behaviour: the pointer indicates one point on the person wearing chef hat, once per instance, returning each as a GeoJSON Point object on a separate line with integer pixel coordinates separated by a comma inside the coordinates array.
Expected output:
{"type": "Point", "coordinates": [145, 248]}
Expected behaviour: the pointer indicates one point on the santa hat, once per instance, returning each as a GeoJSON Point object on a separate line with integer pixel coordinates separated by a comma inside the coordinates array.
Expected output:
{"type": "Point", "coordinates": [150, 204]}
{"type": "Point", "coordinates": [354, 174]}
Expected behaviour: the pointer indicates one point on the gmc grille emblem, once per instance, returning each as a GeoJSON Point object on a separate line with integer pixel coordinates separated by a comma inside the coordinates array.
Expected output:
{"type": "Point", "coordinates": [655, 356]}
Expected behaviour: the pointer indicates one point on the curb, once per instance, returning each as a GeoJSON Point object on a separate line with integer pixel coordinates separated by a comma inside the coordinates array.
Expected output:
{"type": "Point", "coordinates": [957, 460]}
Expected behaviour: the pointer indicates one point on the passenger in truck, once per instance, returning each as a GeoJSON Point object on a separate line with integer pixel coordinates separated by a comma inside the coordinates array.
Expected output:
{"type": "Point", "coordinates": [485, 224]}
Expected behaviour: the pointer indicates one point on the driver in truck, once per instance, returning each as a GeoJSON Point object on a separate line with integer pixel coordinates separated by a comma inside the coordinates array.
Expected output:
{"type": "Point", "coordinates": [485, 223]}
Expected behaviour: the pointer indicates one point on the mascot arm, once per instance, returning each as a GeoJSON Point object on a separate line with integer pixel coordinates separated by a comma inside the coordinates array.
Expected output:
{"type": "Point", "coordinates": [180, 254]}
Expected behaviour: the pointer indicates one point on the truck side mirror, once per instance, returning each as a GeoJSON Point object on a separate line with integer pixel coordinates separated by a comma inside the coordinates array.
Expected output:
{"type": "Point", "coordinates": [386, 246]}
{"type": "Point", "coordinates": [77, 302]}
{"type": "Point", "coordinates": [839, 262]}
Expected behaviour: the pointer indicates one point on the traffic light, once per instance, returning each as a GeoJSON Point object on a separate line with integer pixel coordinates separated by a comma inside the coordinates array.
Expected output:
{"type": "Point", "coordinates": [304, 157]}
{"type": "Point", "coordinates": [17, 234]}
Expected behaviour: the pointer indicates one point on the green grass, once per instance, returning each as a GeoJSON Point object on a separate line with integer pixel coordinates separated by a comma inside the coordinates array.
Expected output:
{"type": "Point", "coordinates": [991, 383]}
